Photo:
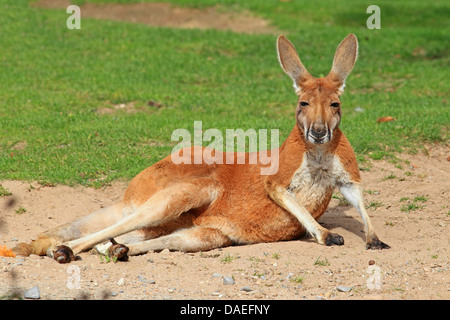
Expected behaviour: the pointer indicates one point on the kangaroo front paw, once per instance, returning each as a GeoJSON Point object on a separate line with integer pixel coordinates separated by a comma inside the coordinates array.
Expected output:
{"type": "Point", "coordinates": [333, 239]}
{"type": "Point", "coordinates": [376, 244]}
{"type": "Point", "coordinates": [118, 251]}
{"type": "Point", "coordinates": [63, 254]}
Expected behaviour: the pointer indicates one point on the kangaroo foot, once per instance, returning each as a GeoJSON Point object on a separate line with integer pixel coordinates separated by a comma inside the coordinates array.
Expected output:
{"type": "Point", "coordinates": [63, 254]}
{"type": "Point", "coordinates": [376, 244]}
{"type": "Point", "coordinates": [334, 239]}
{"type": "Point", "coordinates": [118, 251]}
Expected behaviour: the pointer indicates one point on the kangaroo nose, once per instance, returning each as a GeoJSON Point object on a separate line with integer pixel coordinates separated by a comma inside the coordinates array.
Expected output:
{"type": "Point", "coordinates": [318, 131]}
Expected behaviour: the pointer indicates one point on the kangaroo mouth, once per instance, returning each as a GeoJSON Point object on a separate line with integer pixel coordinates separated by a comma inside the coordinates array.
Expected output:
{"type": "Point", "coordinates": [314, 140]}
{"type": "Point", "coordinates": [318, 137]}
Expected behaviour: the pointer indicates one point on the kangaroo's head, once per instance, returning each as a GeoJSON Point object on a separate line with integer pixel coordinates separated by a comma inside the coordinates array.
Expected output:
{"type": "Point", "coordinates": [319, 108]}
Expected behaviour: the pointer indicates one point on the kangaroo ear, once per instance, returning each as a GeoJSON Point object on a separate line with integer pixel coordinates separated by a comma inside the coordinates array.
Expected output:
{"type": "Point", "coordinates": [344, 59]}
{"type": "Point", "coordinates": [290, 62]}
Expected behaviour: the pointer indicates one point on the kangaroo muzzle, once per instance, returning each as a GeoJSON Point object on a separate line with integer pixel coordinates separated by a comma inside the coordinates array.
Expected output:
{"type": "Point", "coordinates": [318, 133]}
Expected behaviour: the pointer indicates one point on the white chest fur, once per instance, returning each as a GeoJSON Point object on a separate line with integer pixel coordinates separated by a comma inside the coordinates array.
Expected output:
{"type": "Point", "coordinates": [318, 174]}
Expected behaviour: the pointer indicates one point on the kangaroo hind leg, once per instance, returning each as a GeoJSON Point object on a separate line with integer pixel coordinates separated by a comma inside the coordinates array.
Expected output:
{"type": "Point", "coordinates": [47, 241]}
{"type": "Point", "coordinates": [165, 205]}
{"type": "Point", "coordinates": [193, 239]}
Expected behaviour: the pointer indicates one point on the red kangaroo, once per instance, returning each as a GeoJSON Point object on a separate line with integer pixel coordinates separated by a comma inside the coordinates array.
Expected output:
{"type": "Point", "coordinates": [198, 207]}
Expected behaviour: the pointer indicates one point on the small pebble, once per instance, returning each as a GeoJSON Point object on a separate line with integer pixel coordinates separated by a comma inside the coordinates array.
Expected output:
{"type": "Point", "coordinates": [246, 289]}
{"type": "Point", "coordinates": [145, 280]}
{"type": "Point", "coordinates": [228, 280]}
{"type": "Point", "coordinates": [289, 276]}
{"type": "Point", "coordinates": [32, 293]}
{"type": "Point", "coordinates": [371, 262]}
{"type": "Point", "coordinates": [344, 289]}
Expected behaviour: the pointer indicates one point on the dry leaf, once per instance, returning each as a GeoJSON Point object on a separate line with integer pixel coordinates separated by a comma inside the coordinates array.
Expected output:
{"type": "Point", "coordinates": [385, 119]}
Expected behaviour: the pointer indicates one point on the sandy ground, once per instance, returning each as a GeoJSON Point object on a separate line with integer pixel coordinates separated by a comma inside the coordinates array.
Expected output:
{"type": "Point", "coordinates": [416, 266]}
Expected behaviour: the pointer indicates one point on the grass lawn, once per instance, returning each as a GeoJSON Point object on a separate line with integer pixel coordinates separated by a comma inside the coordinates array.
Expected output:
{"type": "Point", "coordinates": [93, 105]}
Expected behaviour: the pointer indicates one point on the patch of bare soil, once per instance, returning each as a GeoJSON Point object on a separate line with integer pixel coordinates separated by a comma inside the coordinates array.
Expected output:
{"type": "Point", "coordinates": [408, 203]}
{"type": "Point", "coordinates": [167, 15]}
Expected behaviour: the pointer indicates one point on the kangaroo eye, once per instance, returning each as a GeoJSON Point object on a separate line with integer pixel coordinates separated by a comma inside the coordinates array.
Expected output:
{"type": "Point", "coordinates": [304, 103]}
{"type": "Point", "coordinates": [335, 104]}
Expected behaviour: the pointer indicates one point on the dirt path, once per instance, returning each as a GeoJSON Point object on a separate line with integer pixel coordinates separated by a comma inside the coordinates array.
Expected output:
{"type": "Point", "coordinates": [409, 207]}
{"type": "Point", "coordinates": [167, 15]}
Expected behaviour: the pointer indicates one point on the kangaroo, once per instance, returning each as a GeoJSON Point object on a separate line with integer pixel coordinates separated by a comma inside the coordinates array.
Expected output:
{"type": "Point", "coordinates": [199, 207]}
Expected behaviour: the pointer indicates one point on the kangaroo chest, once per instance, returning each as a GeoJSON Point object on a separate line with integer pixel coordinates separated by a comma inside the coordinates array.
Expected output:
{"type": "Point", "coordinates": [313, 182]}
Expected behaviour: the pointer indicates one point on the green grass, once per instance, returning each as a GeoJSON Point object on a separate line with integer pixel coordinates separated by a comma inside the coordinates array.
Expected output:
{"type": "Point", "coordinates": [4, 192]}
{"type": "Point", "coordinates": [374, 205]}
{"type": "Point", "coordinates": [20, 210]}
{"type": "Point", "coordinates": [412, 206]}
{"type": "Point", "coordinates": [296, 279]}
{"type": "Point", "coordinates": [321, 262]}
{"type": "Point", "coordinates": [54, 80]}
{"type": "Point", "coordinates": [228, 258]}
